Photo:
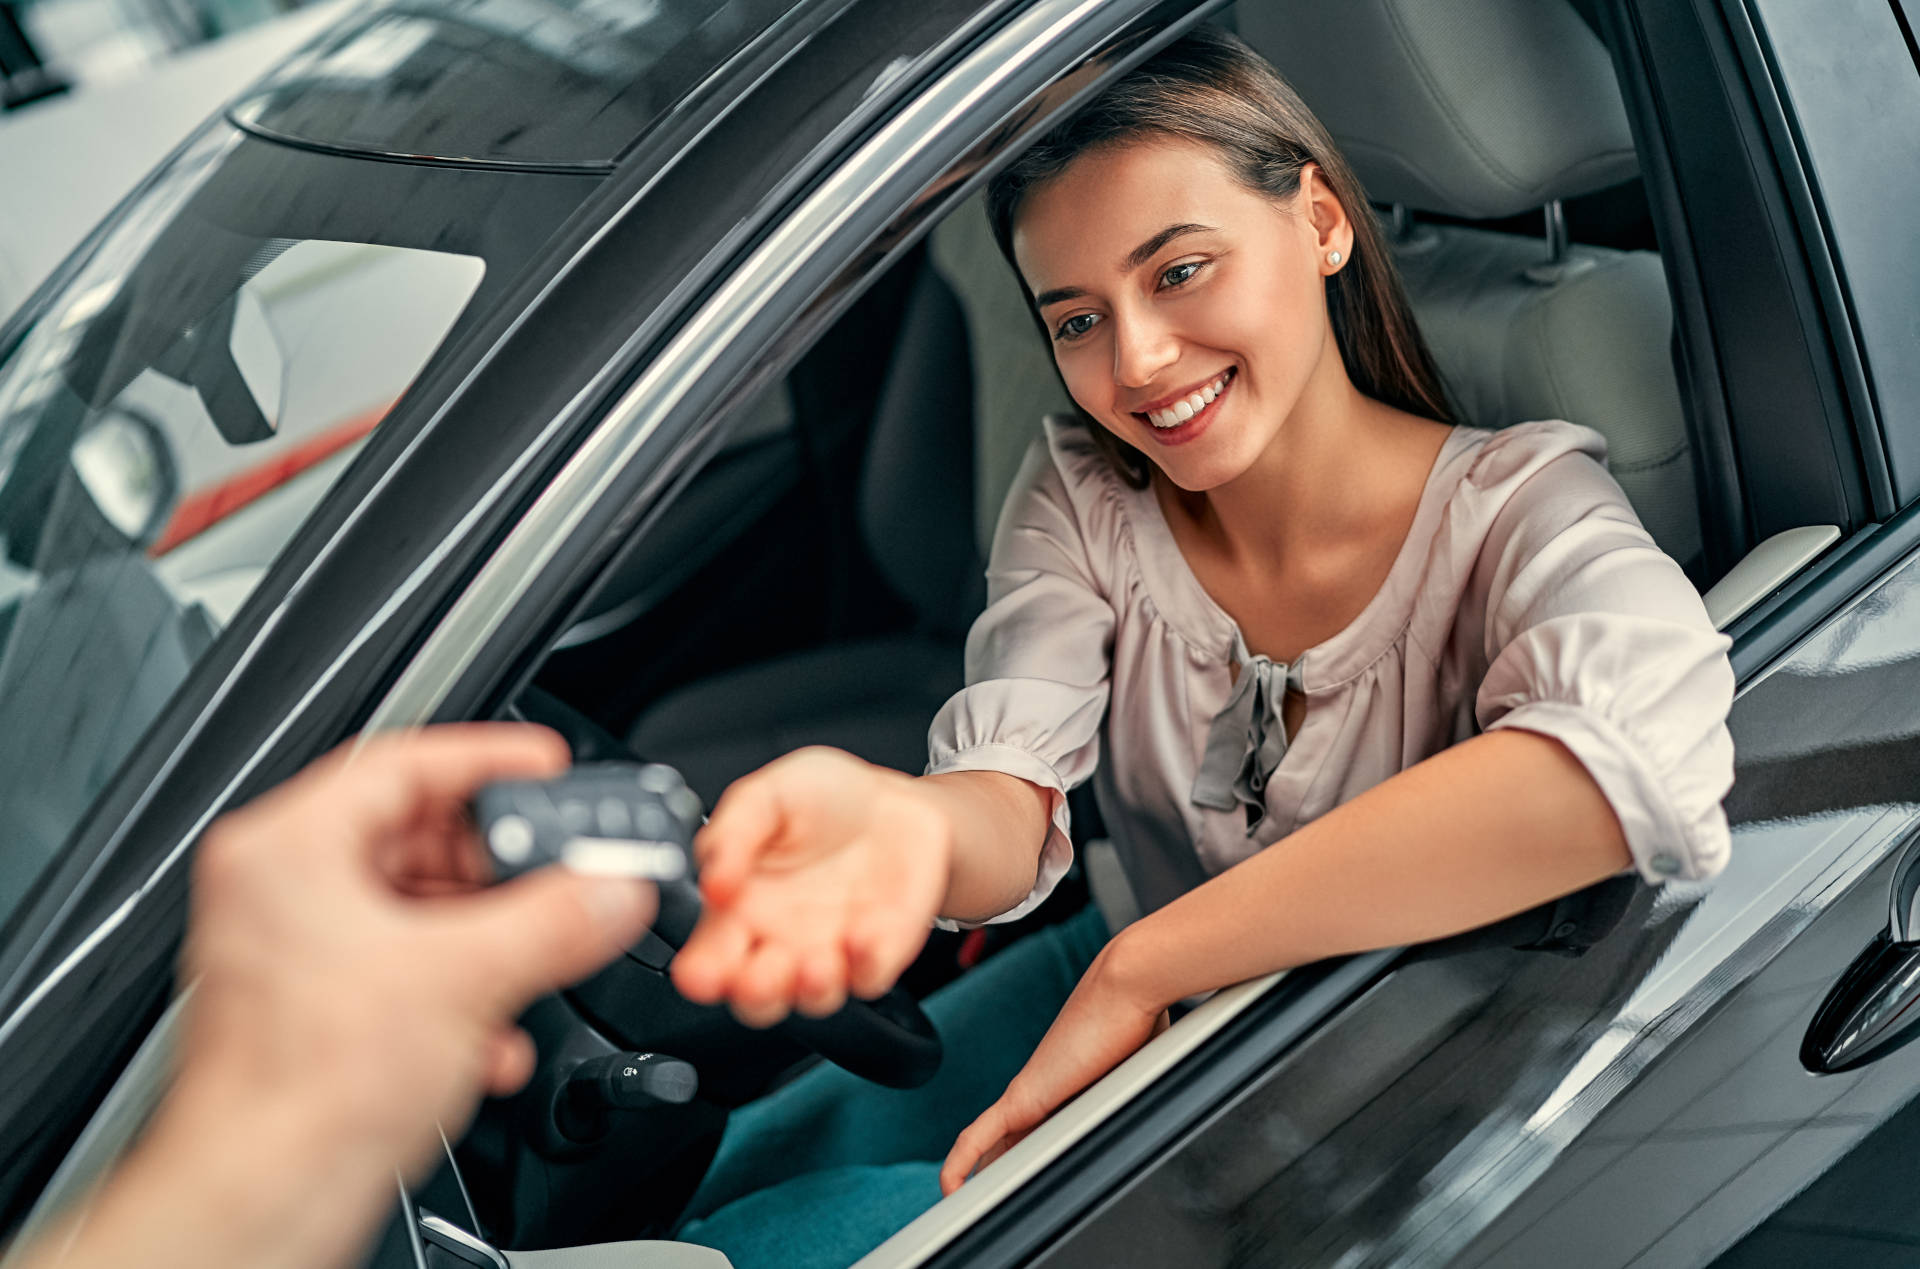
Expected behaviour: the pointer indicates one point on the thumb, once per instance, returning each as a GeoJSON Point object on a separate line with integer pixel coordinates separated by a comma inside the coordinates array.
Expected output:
{"type": "Point", "coordinates": [538, 933]}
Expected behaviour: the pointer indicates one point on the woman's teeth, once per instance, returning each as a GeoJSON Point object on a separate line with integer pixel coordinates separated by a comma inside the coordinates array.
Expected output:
{"type": "Point", "coordinates": [1185, 408]}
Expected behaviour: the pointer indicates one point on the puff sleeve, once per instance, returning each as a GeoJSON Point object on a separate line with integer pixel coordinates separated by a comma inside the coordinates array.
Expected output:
{"type": "Point", "coordinates": [1595, 637]}
{"type": "Point", "coordinates": [1038, 661]}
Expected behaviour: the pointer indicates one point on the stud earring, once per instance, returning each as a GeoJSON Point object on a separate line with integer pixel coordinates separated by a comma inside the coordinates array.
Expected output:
{"type": "Point", "coordinates": [1333, 257]}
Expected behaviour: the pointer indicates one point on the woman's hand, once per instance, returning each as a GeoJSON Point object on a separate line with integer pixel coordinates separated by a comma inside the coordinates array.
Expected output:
{"type": "Point", "coordinates": [1100, 1026]}
{"type": "Point", "coordinates": [821, 876]}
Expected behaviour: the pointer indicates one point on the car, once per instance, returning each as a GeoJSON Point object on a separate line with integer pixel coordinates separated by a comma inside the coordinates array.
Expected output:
{"type": "Point", "coordinates": [646, 369]}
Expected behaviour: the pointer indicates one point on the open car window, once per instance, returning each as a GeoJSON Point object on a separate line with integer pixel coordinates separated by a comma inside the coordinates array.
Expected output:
{"type": "Point", "coordinates": [168, 419]}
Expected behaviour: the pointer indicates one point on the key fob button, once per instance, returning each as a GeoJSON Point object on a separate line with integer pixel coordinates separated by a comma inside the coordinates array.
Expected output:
{"type": "Point", "coordinates": [614, 820]}
{"type": "Point", "coordinates": [658, 778]}
{"type": "Point", "coordinates": [512, 839]}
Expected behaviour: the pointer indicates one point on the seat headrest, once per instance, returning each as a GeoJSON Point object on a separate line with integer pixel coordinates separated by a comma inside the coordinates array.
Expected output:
{"type": "Point", "coordinates": [1474, 108]}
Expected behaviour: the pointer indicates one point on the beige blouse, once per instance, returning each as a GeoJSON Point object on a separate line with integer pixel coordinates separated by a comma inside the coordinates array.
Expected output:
{"type": "Point", "coordinates": [1526, 594]}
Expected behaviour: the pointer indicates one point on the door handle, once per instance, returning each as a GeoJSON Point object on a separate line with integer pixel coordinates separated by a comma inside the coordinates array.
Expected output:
{"type": "Point", "coordinates": [1875, 1006]}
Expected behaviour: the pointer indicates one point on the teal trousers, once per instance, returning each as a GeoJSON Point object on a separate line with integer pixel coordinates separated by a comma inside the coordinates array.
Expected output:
{"type": "Point", "coordinates": [820, 1172]}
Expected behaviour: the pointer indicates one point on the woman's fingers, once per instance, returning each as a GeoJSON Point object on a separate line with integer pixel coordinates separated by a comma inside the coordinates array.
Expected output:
{"type": "Point", "coordinates": [1000, 1128]}
{"type": "Point", "coordinates": [820, 984]}
{"type": "Point", "coordinates": [704, 970]}
{"type": "Point", "coordinates": [980, 1136]}
{"type": "Point", "coordinates": [763, 994]}
{"type": "Point", "coordinates": [873, 955]}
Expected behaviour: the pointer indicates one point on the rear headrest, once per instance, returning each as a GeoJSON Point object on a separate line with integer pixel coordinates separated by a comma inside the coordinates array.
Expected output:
{"type": "Point", "coordinates": [1474, 108]}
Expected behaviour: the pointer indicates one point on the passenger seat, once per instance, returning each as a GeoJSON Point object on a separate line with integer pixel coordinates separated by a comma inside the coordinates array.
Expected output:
{"type": "Point", "coordinates": [873, 697]}
{"type": "Point", "coordinates": [1483, 109]}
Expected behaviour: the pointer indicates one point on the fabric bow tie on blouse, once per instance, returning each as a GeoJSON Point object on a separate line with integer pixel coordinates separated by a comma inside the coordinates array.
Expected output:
{"type": "Point", "coordinates": [1247, 739]}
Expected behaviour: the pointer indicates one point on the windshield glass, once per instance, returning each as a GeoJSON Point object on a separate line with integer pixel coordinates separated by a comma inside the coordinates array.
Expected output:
{"type": "Point", "coordinates": [167, 421]}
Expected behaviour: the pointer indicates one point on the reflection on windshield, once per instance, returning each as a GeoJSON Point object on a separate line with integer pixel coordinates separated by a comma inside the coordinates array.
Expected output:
{"type": "Point", "coordinates": [167, 422]}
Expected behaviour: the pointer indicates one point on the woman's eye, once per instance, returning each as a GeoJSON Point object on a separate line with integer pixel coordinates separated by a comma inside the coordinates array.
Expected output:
{"type": "Point", "coordinates": [1076, 326]}
{"type": "Point", "coordinates": [1180, 274]}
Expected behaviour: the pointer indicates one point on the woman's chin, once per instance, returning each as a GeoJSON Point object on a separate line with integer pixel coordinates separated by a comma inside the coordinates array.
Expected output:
{"type": "Point", "coordinates": [1196, 473]}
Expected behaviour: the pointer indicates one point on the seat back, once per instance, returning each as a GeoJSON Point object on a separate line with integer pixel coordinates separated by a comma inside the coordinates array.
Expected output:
{"type": "Point", "coordinates": [917, 481]}
{"type": "Point", "coordinates": [1014, 381]}
{"type": "Point", "coordinates": [1484, 109]}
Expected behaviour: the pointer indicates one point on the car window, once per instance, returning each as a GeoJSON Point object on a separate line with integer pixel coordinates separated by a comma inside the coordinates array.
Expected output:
{"type": "Point", "coordinates": [166, 424]}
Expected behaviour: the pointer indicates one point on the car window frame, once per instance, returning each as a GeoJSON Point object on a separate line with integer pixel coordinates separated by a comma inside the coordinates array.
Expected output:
{"type": "Point", "coordinates": [482, 663]}
{"type": "Point", "coordinates": [1852, 210]}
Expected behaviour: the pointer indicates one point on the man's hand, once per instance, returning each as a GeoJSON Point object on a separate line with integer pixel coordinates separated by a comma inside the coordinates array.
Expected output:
{"type": "Point", "coordinates": [352, 986]}
{"type": "Point", "coordinates": [342, 945]}
{"type": "Point", "coordinates": [821, 875]}
{"type": "Point", "coordinates": [1100, 1026]}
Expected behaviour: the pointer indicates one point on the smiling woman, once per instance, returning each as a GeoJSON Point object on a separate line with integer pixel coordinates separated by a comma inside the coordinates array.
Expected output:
{"type": "Point", "coordinates": [1445, 671]}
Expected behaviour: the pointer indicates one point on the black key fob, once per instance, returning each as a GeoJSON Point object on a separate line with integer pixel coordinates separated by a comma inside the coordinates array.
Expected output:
{"type": "Point", "coordinates": [616, 819]}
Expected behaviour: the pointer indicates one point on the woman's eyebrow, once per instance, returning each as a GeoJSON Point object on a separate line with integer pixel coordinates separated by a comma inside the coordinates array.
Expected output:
{"type": "Point", "coordinates": [1151, 247]}
{"type": "Point", "coordinates": [1135, 258]}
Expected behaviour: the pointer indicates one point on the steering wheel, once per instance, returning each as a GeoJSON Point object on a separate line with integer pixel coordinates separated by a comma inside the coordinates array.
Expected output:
{"type": "Point", "coordinates": [888, 1040]}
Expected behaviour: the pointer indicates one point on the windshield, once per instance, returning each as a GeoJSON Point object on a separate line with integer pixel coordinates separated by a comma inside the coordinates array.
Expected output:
{"type": "Point", "coordinates": [167, 421]}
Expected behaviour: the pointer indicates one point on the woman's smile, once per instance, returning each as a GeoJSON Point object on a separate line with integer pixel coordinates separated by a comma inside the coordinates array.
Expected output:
{"type": "Point", "coordinates": [1181, 418]}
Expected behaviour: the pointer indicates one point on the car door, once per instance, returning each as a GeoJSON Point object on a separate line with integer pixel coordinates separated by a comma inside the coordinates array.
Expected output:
{"type": "Point", "coordinates": [1646, 1103]}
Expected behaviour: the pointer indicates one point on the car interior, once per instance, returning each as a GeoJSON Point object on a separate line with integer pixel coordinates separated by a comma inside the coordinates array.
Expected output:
{"type": "Point", "coordinates": [814, 583]}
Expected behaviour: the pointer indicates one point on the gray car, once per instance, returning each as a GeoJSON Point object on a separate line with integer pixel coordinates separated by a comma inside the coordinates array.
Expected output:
{"type": "Point", "coordinates": [646, 368]}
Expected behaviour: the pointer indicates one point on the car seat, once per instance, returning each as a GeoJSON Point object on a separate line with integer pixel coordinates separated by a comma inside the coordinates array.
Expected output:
{"type": "Point", "coordinates": [871, 696]}
{"type": "Point", "coordinates": [1483, 109]}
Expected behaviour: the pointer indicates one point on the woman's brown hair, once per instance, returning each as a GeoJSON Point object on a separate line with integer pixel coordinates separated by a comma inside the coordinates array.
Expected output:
{"type": "Point", "coordinates": [1209, 87]}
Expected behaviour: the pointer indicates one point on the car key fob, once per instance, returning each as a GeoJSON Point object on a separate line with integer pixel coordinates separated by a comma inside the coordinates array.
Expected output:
{"type": "Point", "coordinates": [617, 819]}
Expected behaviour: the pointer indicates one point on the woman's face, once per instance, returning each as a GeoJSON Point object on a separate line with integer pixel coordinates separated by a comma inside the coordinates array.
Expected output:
{"type": "Point", "coordinates": [1187, 313]}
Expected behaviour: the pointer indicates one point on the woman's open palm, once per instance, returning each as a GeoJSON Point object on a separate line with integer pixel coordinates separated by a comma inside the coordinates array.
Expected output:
{"type": "Point", "coordinates": [821, 874]}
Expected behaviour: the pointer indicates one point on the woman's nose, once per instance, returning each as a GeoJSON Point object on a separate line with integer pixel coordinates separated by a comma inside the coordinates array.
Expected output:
{"type": "Point", "coordinates": [1142, 348]}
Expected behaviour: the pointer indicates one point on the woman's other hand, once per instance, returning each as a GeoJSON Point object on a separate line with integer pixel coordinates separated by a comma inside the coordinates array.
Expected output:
{"type": "Point", "coordinates": [821, 876]}
{"type": "Point", "coordinates": [1102, 1024]}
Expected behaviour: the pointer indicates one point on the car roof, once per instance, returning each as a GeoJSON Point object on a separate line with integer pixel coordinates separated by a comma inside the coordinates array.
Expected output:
{"type": "Point", "coordinates": [550, 85]}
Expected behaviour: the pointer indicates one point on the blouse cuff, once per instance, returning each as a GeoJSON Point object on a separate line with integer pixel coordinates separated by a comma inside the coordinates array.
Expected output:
{"type": "Point", "coordinates": [1663, 846]}
{"type": "Point", "coordinates": [1056, 855]}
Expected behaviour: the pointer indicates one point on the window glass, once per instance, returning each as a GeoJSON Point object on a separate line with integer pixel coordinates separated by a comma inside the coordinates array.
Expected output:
{"type": "Point", "coordinates": [167, 421]}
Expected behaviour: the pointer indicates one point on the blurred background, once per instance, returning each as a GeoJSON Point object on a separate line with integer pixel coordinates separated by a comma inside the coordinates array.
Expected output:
{"type": "Point", "coordinates": [94, 93]}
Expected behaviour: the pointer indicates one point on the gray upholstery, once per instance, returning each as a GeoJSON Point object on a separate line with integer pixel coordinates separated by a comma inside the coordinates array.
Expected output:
{"type": "Point", "coordinates": [1591, 347]}
{"type": "Point", "coordinates": [1486, 108]}
{"type": "Point", "coordinates": [916, 487]}
{"type": "Point", "coordinates": [1014, 382]}
{"type": "Point", "coordinates": [1475, 108]}
{"type": "Point", "coordinates": [874, 698]}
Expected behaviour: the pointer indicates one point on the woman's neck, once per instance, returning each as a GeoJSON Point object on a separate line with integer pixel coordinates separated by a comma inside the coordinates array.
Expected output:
{"type": "Point", "coordinates": [1333, 477]}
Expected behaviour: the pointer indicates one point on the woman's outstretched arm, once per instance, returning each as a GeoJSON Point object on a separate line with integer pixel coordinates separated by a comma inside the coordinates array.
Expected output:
{"type": "Point", "coordinates": [1490, 827]}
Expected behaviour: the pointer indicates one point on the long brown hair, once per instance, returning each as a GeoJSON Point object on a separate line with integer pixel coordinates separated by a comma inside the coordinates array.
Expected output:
{"type": "Point", "coordinates": [1210, 87]}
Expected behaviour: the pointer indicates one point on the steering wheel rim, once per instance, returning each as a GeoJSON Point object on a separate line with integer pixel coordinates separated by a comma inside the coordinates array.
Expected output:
{"type": "Point", "coordinates": [889, 1040]}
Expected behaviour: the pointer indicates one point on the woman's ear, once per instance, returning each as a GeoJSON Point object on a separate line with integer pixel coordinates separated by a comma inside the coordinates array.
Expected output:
{"type": "Point", "coordinates": [1332, 230]}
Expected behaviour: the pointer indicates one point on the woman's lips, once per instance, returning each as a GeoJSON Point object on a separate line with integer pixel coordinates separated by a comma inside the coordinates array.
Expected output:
{"type": "Point", "coordinates": [1191, 429]}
